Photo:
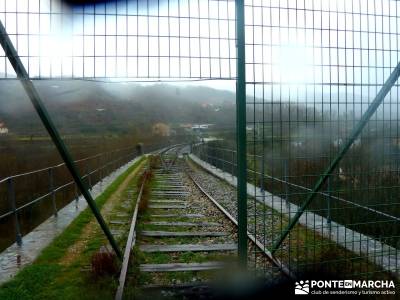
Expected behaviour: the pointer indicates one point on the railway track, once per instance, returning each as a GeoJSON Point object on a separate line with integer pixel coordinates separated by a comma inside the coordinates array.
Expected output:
{"type": "Point", "coordinates": [180, 239]}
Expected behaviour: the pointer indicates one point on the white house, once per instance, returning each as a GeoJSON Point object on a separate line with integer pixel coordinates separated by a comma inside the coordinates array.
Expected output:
{"type": "Point", "coordinates": [297, 144]}
{"type": "Point", "coordinates": [201, 126]}
{"type": "Point", "coordinates": [3, 128]}
{"type": "Point", "coordinates": [338, 142]}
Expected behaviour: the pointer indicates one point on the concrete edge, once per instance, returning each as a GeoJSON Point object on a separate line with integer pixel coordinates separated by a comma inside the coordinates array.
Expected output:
{"type": "Point", "coordinates": [377, 252]}
{"type": "Point", "coordinates": [14, 258]}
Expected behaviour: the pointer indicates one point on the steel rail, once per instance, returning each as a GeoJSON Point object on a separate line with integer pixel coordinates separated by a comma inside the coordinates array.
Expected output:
{"type": "Point", "coordinates": [166, 150]}
{"type": "Point", "coordinates": [285, 270]}
{"type": "Point", "coordinates": [394, 76]}
{"type": "Point", "coordinates": [132, 234]}
{"type": "Point", "coordinates": [16, 210]}
{"type": "Point", "coordinates": [129, 245]}
{"type": "Point", "coordinates": [306, 189]}
{"type": "Point", "coordinates": [331, 197]}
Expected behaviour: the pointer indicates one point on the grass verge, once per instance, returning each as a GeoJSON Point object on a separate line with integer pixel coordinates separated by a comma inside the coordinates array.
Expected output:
{"type": "Point", "coordinates": [47, 278]}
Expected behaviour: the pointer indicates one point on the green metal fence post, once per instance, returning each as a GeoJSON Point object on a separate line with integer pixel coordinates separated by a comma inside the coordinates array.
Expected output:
{"type": "Point", "coordinates": [11, 199]}
{"type": "Point", "coordinates": [241, 133]}
{"type": "Point", "coordinates": [33, 95]}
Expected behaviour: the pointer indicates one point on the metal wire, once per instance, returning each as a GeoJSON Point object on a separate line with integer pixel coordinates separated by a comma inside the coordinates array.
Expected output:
{"type": "Point", "coordinates": [313, 67]}
{"type": "Point", "coordinates": [174, 39]}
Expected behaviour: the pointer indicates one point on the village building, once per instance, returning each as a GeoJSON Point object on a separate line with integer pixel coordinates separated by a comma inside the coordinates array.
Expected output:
{"type": "Point", "coordinates": [3, 129]}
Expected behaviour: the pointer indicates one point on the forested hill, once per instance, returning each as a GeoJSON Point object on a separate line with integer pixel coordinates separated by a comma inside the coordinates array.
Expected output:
{"type": "Point", "coordinates": [94, 107]}
{"type": "Point", "coordinates": [88, 107]}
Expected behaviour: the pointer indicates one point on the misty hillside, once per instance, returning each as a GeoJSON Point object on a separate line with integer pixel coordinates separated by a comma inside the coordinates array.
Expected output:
{"type": "Point", "coordinates": [95, 107]}
{"type": "Point", "coordinates": [88, 107]}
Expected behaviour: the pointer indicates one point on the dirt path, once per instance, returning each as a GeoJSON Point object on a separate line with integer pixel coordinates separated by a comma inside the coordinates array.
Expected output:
{"type": "Point", "coordinates": [92, 227]}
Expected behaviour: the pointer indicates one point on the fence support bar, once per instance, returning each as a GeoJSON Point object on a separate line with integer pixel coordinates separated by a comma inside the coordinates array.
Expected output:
{"type": "Point", "coordinates": [11, 199]}
{"type": "Point", "coordinates": [328, 172]}
{"type": "Point", "coordinates": [33, 95]}
{"type": "Point", "coordinates": [241, 134]}
{"type": "Point", "coordinates": [53, 194]}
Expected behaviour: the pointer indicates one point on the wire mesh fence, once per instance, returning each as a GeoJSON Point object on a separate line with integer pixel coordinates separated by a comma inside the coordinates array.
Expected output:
{"type": "Point", "coordinates": [338, 234]}
{"type": "Point", "coordinates": [30, 198]}
{"type": "Point", "coordinates": [312, 70]}
{"type": "Point", "coordinates": [174, 39]}
{"type": "Point", "coordinates": [27, 199]}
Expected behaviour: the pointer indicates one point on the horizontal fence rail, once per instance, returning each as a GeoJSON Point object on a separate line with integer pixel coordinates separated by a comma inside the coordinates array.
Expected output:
{"type": "Point", "coordinates": [305, 72]}
{"type": "Point", "coordinates": [31, 197]}
{"type": "Point", "coordinates": [227, 165]}
{"type": "Point", "coordinates": [367, 229]}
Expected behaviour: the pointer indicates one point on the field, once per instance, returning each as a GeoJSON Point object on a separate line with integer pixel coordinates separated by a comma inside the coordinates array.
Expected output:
{"type": "Point", "coordinates": [24, 154]}
{"type": "Point", "coordinates": [94, 119]}
{"type": "Point", "coordinates": [361, 194]}
{"type": "Point", "coordinates": [61, 273]}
